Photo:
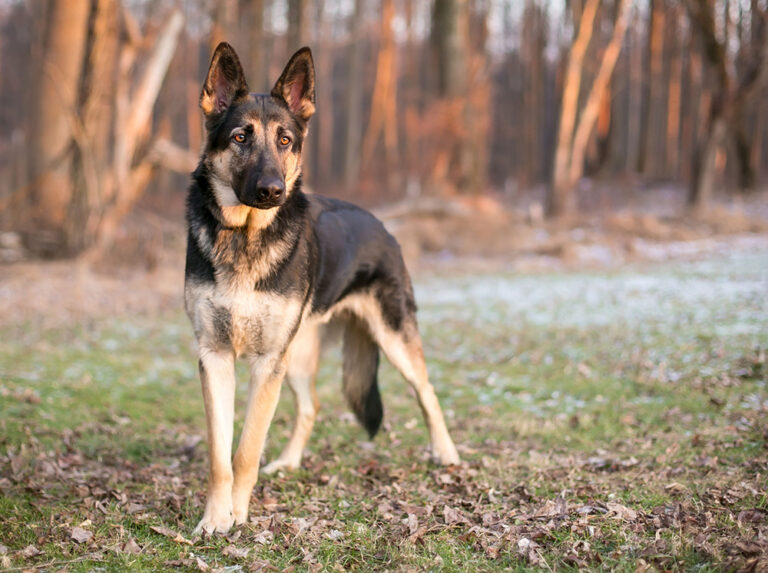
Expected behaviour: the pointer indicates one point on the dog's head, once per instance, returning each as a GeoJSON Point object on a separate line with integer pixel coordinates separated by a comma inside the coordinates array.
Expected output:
{"type": "Point", "coordinates": [254, 141]}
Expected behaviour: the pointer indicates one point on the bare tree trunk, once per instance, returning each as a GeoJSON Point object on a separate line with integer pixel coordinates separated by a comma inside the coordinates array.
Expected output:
{"type": "Point", "coordinates": [56, 114]}
{"type": "Point", "coordinates": [354, 115]}
{"type": "Point", "coordinates": [323, 148]}
{"type": "Point", "coordinates": [255, 39]}
{"type": "Point", "coordinates": [450, 30]}
{"type": "Point", "coordinates": [92, 181]}
{"type": "Point", "coordinates": [88, 123]}
{"type": "Point", "coordinates": [223, 22]}
{"type": "Point", "coordinates": [603, 128]}
{"type": "Point", "coordinates": [383, 120]}
{"type": "Point", "coordinates": [477, 108]}
{"type": "Point", "coordinates": [758, 138]}
{"type": "Point", "coordinates": [654, 65]}
{"type": "Point", "coordinates": [705, 170]}
{"type": "Point", "coordinates": [531, 55]}
{"type": "Point", "coordinates": [561, 200]}
{"type": "Point", "coordinates": [673, 102]}
{"type": "Point", "coordinates": [450, 38]}
{"type": "Point", "coordinates": [592, 106]}
{"type": "Point", "coordinates": [298, 25]}
{"type": "Point", "coordinates": [635, 103]}
{"type": "Point", "coordinates": [742, 151]}
{"type": "Point", "coordinates": [727, 102]}
{"type": "Point", "coordinates": [132, 176]}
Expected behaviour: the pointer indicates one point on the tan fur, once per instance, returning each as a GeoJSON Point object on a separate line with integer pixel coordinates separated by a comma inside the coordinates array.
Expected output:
{"type": "Point", "coordinates": [277, 315]}
{"type": "Point", "coordinates": [303, 357]}
{"type": "Point", "coordinates": [266, 377]}
{"type": "Point", "coordinates": [217, 374]}
{"type": "Point", "coordinates": [207, 103]}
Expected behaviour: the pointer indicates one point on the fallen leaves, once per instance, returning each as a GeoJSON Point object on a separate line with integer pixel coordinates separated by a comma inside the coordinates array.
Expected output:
{"type": "Point", "coordinates": [171, 534]}
{"type": "Point", "coordinates": [30, 551]}
{"type": "Point", "coordinates": [529, 550]}
{"type": "Point", "coordinates": [452, 515]}
{"type": "Point", "coordinates": [235, 552]}
{"type": "Point", "coordinates": [621, 512]}
{"type": "Point", "coordinates": [80, 535]}
{"type": "Point", "coordinates": [130, 547]}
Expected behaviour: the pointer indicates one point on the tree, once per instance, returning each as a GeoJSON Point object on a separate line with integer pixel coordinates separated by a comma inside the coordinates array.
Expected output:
{"type": "Point", "coordinates": [298, 24]}
{"type": "Point", "coordinates": [82, 182]}
{"type": "Point", "coordinates": [450, 41]}
{"type": "Point", "coordinates": [383, 118]}
{"type": "Point", "coordinates": [572, 137]}
{"type": "Point", "coordinates": [53, 117]}
{"type": "Point", "coordinates": [731, 93]}
{"type": "Point", "coordinates": [354, 96]}
{"type": "Point", "coordinates": [651, 108]}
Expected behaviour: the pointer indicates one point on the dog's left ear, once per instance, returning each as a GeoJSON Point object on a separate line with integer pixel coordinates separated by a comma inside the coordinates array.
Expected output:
{"type": "Point", "coordinates": [296, 86]}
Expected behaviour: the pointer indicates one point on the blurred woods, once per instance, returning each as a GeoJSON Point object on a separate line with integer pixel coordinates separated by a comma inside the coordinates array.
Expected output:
{"type": "Point", "coordinates": [447, 98]}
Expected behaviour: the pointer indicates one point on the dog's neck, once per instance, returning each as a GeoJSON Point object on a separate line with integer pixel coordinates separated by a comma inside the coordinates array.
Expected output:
{"type": "Point", "coordinates": [254, 241]}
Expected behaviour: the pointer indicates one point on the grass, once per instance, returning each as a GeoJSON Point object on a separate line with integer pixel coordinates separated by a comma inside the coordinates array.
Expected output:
{"type": "Point", "coordinates": [607, 420]}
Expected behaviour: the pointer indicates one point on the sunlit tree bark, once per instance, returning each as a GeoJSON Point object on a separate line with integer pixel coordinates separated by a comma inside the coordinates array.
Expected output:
{"type": "Point", "coordinates": [56, 114]}
{"type": "Point", "coordinates": [573, 138]}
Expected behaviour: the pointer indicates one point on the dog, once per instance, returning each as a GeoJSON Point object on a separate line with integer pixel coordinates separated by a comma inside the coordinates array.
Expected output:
{"type": "Point", "coordinates": [267, 265]}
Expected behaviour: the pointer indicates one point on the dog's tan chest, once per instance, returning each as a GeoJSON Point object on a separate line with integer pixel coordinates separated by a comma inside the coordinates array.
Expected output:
{"type": "Point", "coordinates": [247, 321]}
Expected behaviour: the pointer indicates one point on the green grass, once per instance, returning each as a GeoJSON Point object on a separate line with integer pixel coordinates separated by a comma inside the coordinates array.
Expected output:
{"type": "Point", "coordinates": [606, 420]}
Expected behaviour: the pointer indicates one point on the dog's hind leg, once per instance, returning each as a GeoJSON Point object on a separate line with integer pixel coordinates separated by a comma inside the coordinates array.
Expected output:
{"type": "Point", "coordinates": [302, 369]}
{"type": "Point", "coordinates": [217, 374]}
{"type": "Point", "coordinates": [403, 349]}
{"type": "Point", "coordinates": [267, 374]}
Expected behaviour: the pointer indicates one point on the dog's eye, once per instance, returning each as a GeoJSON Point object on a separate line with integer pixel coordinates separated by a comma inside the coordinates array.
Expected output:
{"type": "Point", "coordinates": [239, 138]}
{"type": "Point", "coordinates": [285, 140]}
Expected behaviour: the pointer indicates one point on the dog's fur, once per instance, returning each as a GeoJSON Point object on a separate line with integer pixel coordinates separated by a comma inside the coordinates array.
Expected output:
{"type": "Point", "coordinates": [267, 265]}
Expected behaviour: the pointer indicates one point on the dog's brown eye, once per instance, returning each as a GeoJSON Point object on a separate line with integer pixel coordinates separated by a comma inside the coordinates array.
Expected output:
{"type": "Point", "coordinates": [239, 138]}
{"type": "Point", "coordinates": [285, 140]}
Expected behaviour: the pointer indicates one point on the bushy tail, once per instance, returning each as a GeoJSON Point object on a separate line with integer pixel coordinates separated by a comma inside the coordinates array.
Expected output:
{"type": "Point", "coordinates": [360, 383]}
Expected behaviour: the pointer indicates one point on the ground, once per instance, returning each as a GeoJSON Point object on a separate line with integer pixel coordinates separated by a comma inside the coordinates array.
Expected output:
{"type": "Point", "coordinates": [607, 420]}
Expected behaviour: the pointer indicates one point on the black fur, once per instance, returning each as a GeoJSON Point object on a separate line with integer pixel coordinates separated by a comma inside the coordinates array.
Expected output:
{"type": "Point", "coordinates": [360, 375]}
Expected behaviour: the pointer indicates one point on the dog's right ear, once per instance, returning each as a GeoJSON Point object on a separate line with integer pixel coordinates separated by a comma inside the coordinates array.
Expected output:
{"type": "Point", "coordinates": [224, 84]}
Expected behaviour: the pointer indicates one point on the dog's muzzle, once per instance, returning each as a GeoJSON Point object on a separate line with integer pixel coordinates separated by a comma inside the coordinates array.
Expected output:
{"type": "Point", "coordinates": [265, 193]}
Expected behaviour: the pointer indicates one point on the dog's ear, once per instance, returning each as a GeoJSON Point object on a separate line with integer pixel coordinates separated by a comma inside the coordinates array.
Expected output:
{"type": "Point", "coordinates": [296, 86]}
{"type": "Point", "coordinates": [224, 84]}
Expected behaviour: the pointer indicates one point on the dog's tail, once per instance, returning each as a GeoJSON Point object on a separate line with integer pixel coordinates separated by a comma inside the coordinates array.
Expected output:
{"type": "Point", "coordinates": [360, 383]}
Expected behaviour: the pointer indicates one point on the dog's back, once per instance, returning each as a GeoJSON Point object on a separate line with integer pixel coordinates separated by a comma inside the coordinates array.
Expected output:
{"type": "Point", "coordinates": [358, 260]}
{"type": "Point", "coordinates": [357, 254]}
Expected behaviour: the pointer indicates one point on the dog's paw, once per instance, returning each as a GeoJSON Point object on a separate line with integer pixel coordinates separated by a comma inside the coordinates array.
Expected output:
{"type": "Point", "coordinates": [214, 522]}
{"type": "Point", "coordinates": [446, 456]}
{"type": "Point", "coordinates": [279, 464]}
{"type": "Point", "coordinates": [241, 516]}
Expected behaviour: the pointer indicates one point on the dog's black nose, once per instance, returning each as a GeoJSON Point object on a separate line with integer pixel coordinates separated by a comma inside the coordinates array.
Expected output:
{"type": "Point", "coordinates": [271, 190]}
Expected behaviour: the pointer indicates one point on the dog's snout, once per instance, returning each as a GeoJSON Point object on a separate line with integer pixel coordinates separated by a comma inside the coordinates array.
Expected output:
{"type": "Point", "coordinates": [271, 189]}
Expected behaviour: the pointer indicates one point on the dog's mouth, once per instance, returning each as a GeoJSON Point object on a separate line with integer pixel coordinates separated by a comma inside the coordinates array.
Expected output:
{"type": "Point", "coordinates": [267, 204]}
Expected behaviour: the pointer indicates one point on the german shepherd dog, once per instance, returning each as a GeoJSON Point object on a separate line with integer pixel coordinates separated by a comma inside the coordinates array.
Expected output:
{"type": "Point", "coordinates": [267, 265]}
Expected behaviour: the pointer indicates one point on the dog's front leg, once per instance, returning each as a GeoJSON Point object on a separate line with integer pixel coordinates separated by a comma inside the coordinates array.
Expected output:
{"type": "Point", "coordinates": [266, 377]}
{"type": "Point", "coordinates": [217, 374]}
